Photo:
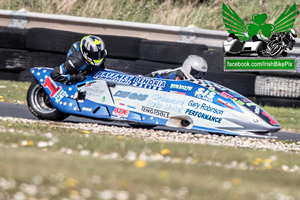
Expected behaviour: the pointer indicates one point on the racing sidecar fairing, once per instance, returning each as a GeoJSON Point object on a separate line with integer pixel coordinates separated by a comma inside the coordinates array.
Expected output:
{"type": "Point", "coordinates": [112, 95]}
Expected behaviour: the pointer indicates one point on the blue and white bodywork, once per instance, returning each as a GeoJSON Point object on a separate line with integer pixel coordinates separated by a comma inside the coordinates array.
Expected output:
{"type": "Point", "coordinates": [112, 95]}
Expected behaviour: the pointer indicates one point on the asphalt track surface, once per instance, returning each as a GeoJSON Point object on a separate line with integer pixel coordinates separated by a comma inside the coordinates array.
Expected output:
{"type": "Point", "coordinates": [22, 111]}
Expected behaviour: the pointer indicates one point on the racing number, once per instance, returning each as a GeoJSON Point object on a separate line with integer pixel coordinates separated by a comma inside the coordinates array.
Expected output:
{"type": "Point", "coordinates": [51, 86]}
{"type": "Point", "coordinates": [207, 93]}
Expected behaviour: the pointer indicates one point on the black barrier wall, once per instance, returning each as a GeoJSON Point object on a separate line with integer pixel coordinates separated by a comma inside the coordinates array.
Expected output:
{"type": "Point", "coordinates": [21, 50]}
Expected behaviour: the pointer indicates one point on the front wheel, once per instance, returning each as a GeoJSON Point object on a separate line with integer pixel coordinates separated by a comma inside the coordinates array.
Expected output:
{"type": "Point", "coordinates": [40, 105]}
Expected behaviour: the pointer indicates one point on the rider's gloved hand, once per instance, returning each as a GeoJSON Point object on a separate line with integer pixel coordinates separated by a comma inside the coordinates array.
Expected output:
{"type": "Point", "coordinates": [77, 77]}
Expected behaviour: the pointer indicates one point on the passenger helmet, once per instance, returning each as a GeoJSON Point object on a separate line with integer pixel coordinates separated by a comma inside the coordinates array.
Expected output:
{"type": "Point", "coordinates": [194, 67]}
{"type": "Point", "coordinates": [93, 49]}
{"type": "Point", "coordinates": [293, 33]}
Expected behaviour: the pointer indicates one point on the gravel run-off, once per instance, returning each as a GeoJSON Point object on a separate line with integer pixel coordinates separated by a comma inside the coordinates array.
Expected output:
{"type": "Point", "coordinates": [169, 136]}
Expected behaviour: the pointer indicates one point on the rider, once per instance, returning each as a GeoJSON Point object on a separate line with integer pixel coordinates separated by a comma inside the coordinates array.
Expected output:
{"type": "Point", "coordinates": [83, 57]}
{"type": "Point", "coordinates": [194, 67]}
{"type": "Point", "coordinates": [287, 38]}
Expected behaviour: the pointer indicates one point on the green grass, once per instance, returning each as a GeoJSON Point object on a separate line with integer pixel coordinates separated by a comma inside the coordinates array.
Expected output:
{"type": "Point", "coordinates": [200, 171]}
{"type": "Point", "coordinates": [206, 15]}
{"type": "Point", "coordinates": [287, 117]}
{"type": "Point", "coordinates": [13, 91]}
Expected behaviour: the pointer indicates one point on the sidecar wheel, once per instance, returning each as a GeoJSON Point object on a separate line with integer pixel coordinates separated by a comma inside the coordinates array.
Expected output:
{"type": "Point", "coordinates": [40, 105]}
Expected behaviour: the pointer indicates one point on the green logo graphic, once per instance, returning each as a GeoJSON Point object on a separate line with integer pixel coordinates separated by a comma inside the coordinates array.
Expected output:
{"type": "Point", "coordinates": [234, 24]}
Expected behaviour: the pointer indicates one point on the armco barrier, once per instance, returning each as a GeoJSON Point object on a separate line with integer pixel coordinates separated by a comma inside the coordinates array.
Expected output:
{"type": "Point", "coordinates": [28, 20]}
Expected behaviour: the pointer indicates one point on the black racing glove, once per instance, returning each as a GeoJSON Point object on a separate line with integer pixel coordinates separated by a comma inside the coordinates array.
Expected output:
{"type": "Point", "coordinates": [77, 77]}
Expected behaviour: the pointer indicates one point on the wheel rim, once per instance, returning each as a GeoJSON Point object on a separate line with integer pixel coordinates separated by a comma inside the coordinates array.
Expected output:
{"type": "Point", "coordinates": [275, 50]}
{"type": "Point", "coordinates": [41, 100]}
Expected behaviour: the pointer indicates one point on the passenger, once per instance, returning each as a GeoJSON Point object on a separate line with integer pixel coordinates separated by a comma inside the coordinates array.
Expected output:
{"type": "Point", "coordinates": [193, 68]}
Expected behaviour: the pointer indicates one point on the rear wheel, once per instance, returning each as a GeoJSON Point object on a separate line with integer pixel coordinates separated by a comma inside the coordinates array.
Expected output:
{"type": "Point", "coordinates": [40, 105]}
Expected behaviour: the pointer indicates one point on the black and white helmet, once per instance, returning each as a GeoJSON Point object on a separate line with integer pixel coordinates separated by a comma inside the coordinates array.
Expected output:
{"type": "Point", "coordinates": [194, 67]}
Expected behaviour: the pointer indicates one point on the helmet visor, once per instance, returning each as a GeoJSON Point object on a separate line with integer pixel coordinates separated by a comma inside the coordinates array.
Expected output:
{"type": "Point", "coordinates": [197, 74]}
{"type": "Point", "coordinates": [95, 58]}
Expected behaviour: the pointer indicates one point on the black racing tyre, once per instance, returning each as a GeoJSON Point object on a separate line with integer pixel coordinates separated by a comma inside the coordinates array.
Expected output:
{"type": "Point", "coordinates": [147, 126]}
{"type": "Point", "coordinates": [50, 40]}
{"type": "Point", "coordinates": [13, 60]}
{"type": "Point", "coordinates": [276, 50]}
{"type": "Point", "coordinates": [120, 64]}
{"type": "Point", "coordinates": [144, 67]}
{"type": "Point", "coordinates": [122, 47]}
{"type": "Point", "coordinates": [214, 59]}
{"type": "Point", "coordinates": [277, 101]}
{"type": "Point", "coordinates": [39, 104]}
{"type": "Point", "coordinates": [12, 38]}
{"type": "Point", "coordinates": [168, 52]}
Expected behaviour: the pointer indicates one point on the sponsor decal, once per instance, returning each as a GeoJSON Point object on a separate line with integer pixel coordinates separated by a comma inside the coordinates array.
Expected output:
{"type": "Point", "coordinates": [245, 100]}
{"type": "Point", "coordinates": [94, 91]}
{"type": "Point", "coordinates": [226, 95]}
{"type": "Point", "coordinates": [87, 109]}
{"type": "Point", "coordinates": [51, 85]}
{"type": "Point", "coordinates": [168, 100]}
{"type": "Point", "coordinates": [205, 107]}
{"type": "Point", "coordinates": [175, 92]}
{"type": "Point", "coordinates": [111, 76]}
{"type": "Point", "coordinates": [60, 95]}
{"type": "Point", "coordinates": [205, 94]}
{"type": "Point", "coordinates": [240, 102]}
{"type": "Point", "coordinates": [257, 110]}
{"type": "Point", "coordinates": [131, 107]}
{"type": "Point", "coordinates": [155, 112]}
{"type": "Point", "coordinates": [203, 116]}
{"type": "Point", "coordinates": [272, 121]}
{"type": "Point", "coordinates": [90, 84]}
{"type": "Point", "coordinates": [130, 95]}
{"type": "Point", "coordinates": [166, 103]}
{"type": "Point", "coordinates": [149, 83]}
{"type": "Point", "coordinates": [225, 103]}
{"type": "Point", "coordinates": [164, 106]}
{"type": "Point", "coordinates": [103, 99]}
{"type": "Point", "coordinates": [181, 87]}
{"type": "Point", "coordinates": [120, 112]}
{"type": "Point", "coordinates": [251, 104]}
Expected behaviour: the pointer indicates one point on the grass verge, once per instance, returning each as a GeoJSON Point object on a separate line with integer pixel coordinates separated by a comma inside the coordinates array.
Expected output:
{"type": "Point", "coordinates": [44, 162]}
{"type": "Point", "coordinates": [13, 91]}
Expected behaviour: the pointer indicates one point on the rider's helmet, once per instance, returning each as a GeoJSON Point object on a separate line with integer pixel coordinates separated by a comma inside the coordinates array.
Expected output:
{"type": "Point", "coordinates": [93, 50]}
{"type": "Point", "coordinates": [293, 33]}
{"type": "Point", "coordinates": [194, 67]}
